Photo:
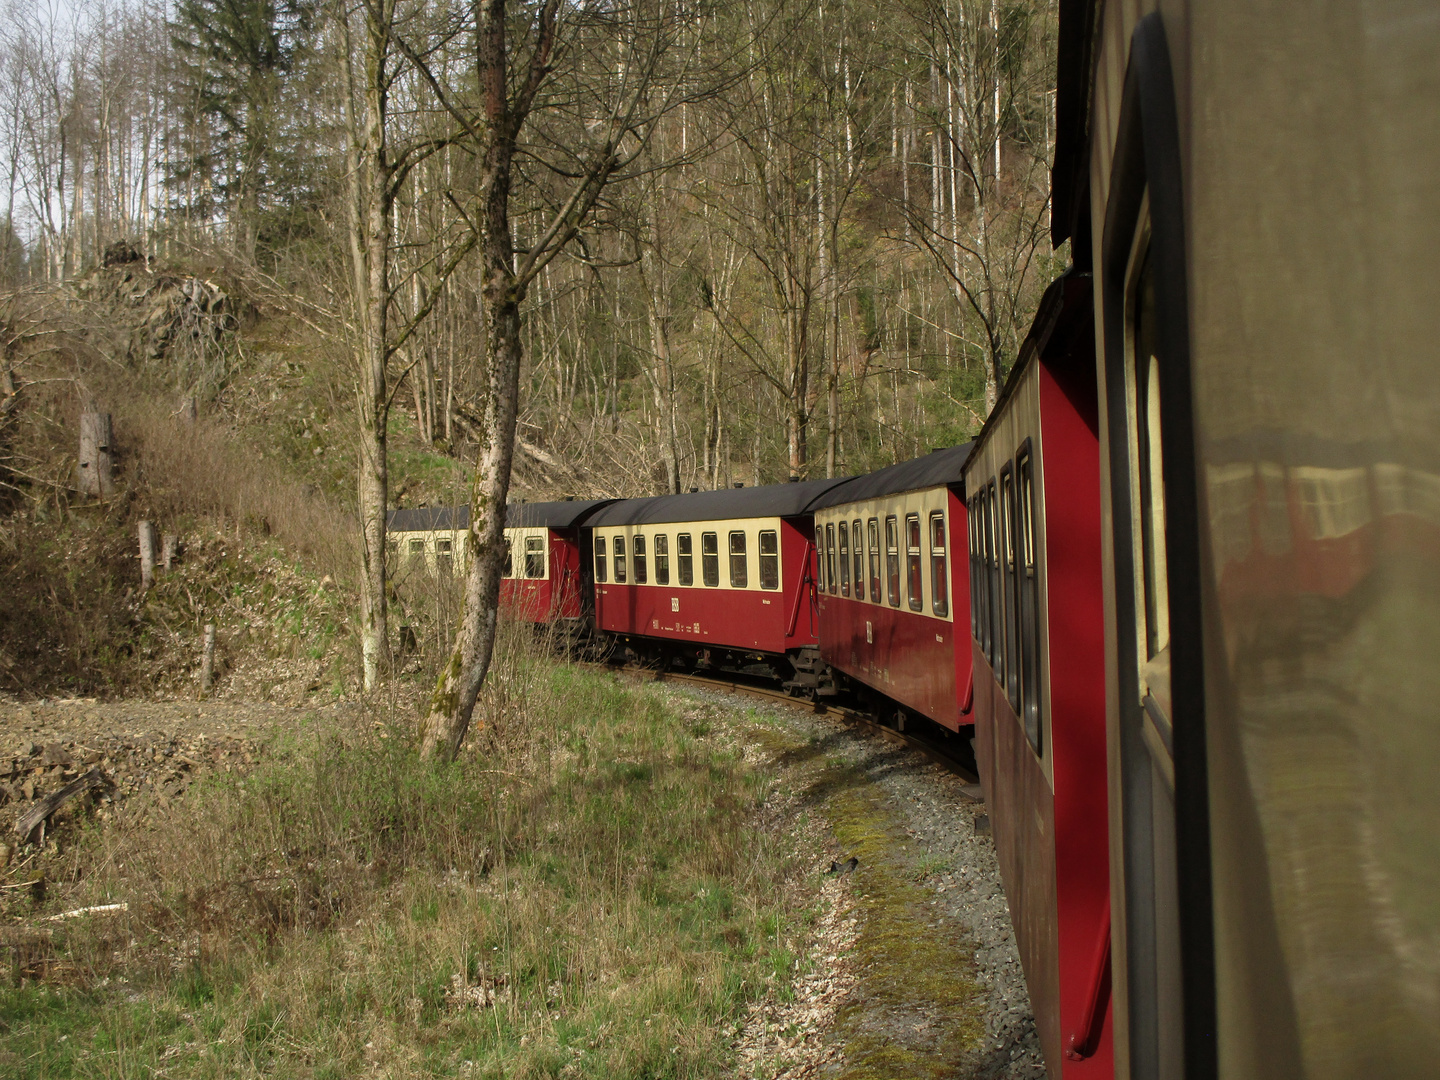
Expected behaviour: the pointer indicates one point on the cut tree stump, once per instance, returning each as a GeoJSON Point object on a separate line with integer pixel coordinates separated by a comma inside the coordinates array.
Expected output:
{"type": "Point", "coordinates": [147, 555]}
{"type": "Point", "coordinates": [34, 817]}
{"type": "Point", "coordinates": [97, 460]}
{"type": "Point", "coordinates": [207, 659]}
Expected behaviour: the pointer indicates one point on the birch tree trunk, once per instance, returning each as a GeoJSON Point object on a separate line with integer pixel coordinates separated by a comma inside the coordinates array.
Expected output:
{"type": "Point", "coordinates": [371, 199]}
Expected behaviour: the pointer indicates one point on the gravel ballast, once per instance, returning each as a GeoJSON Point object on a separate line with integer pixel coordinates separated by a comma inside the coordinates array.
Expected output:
{"type": "Point", "coordinates": [945, 847]}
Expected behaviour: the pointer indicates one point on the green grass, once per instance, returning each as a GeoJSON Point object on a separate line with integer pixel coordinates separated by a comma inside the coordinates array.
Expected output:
{"type": "Point", "coordinates": [580, 895]}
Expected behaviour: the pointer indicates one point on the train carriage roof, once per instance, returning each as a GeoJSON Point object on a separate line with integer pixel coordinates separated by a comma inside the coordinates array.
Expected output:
{"type": "Point", "coordinates": [770, 500]}
{"type": "Point", "coordinates": [932, 470]}
{"type": "Point", "coordinates": [561, 514]}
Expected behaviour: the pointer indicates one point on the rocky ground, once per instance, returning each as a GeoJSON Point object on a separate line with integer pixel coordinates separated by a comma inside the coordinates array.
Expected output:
{"type": "Point", "coordinates": [139, 747]}
{"type": "Point", "coordinates": [910, 967]}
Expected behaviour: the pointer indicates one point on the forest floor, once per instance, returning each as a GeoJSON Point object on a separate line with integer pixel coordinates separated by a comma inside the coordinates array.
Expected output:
{"type": "Point", "coordinates": [635, 881]}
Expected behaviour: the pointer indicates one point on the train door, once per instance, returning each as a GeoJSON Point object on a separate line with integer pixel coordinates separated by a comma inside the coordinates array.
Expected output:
{"type": "Point", "coordinates": [1163, 958]}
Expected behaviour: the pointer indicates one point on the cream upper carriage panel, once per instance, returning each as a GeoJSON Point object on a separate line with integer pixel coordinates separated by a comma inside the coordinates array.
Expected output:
{"type": "Point", "coordinates": [913, 517]}
{"type": "Point", "coordinates": [529, 554]}
{"type": "Point", "coordinates": [736, 554]}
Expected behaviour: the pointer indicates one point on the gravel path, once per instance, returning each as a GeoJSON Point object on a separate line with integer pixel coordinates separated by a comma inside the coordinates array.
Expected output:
{"type": "Point", "coordinates": [946, 846]}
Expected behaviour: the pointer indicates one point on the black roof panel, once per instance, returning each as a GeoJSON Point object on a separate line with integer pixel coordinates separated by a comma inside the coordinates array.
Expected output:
{"type": "Point", "coordinates": [932, 470]}
{"type": "Point", "coordinates": [771, 500]}
{"type": "Point", "coordinates": [553, 515]}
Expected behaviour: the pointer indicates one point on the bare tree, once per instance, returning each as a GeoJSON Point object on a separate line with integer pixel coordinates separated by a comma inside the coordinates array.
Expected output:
{"type": "Point", "coordinates": [625, 68]}
{"type": "Point", "coordinates": [378, 171]}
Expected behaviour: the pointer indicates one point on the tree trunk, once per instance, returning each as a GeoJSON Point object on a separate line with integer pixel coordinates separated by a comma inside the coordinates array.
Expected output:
{"type": "Point", "coordinates": [97, 461]}
{"type": "Point", "coordinates": [662, 380]}
{"type": "Point", "coordinates": [453, 702]}
{"type": "Point", "coordinates": [147, 555]}
{"type": "Point", "coordinates": [370, 263]}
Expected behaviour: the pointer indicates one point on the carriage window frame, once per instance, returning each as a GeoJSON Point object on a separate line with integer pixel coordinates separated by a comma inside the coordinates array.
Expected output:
{"type": "Point", "coordinates": [1174, 1020]}
{"type": "Point", "coordinates": [534, 557]}
{"type": "Point", "coordinates": [602, 561]}
{"type": "Point", "coordinates": [661, 556]}
{"type": "Point", "coordinates": [830, 575]}
{"type": "Point", "coordinates": [857, 557]}
{"type": "Point", "coordinates": [819, 557]}
{"type": "Point", "coordinates": [939, 565]}
{"type": "Point", "coordinates": [639, 559]}
{"type": "Point", "coordinates": [710, 559]}
{"type": "Point", "coordinates": [914, 563]}
{"type": "Point", "coordinates": [892, 560]}
{"type": "Point", "coordinates": [1028, 572]}
{"type": "Point", "coordinates": [769, 559]}
{"type": "Point", "coordinates": [1008, 568]}
{"type": "Point", "coordinates": [972, 536]}
{"type": "Point", "coordinates": [739, 570]}
{"type": "Point", "coordinates": [617, 559]}
{"type": "Point", "coordinates": [872, 536]}
{"type": "Point", "coordinates": [684, 560]}
{"type": "Point", "coordinates": [993, 600]}
{"type": "Point", "coordinates": [842, 538]}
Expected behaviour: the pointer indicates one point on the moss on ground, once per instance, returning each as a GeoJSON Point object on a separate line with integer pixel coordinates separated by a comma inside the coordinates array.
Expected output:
{"type": "Point", "coordinates": [916, 1009]}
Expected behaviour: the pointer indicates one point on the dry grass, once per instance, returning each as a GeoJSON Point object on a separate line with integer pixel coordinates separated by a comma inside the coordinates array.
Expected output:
{"type": "Point", "coordinates": [204, 469]}
{"type": "Point", "coordinates": [583, 894]}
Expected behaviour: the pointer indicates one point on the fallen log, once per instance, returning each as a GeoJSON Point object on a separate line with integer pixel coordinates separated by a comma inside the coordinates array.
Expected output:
{"type": "Point", "coordinates": [34, 817]}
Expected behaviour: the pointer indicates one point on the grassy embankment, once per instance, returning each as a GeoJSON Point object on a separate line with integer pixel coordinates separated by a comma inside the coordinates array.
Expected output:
{"type": "Point", "coordinates": [582, 895]}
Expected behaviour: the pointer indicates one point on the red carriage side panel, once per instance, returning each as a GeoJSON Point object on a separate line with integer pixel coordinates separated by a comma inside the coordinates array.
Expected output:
{"type": "Point", "coordinates": [759, 620]}
{"type": "Point", "coordinates": [907, 657]}
{"type": "Point", "coordinates": [1048, 798]}
{"type": "Point", "coordinates": [565, 574]}
{"type": "Point", "coordinates": [797, 550]}
{"type": "Point", "coordinates": [1076, 655]}
{"type": "Point", "coordinates": [1022, 815]}
{"type": "Point", "coordinates": [715, 618]}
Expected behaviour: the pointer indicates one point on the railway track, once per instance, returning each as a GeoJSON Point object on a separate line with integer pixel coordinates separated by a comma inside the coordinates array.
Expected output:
{"type": "Point", "coordinates": [934, 749]}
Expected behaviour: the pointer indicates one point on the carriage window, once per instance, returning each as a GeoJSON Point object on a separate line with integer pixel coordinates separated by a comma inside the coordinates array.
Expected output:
{"type": "Point", "coordinates": [939, 580]}
{"type": "Point", "coordinates": [873, 534]}
{"type": "Point", "coordinates": [830, 582]}
{"type": "Point", "coordinates": [662, 559]}
{"type": "Point", "coordinates": [534, 556]}
{"type": "Point", "coordinates": [820, 557]}
{"type": "Point", "coordinates": [914, 570]}
{"type": "Point", "coordinates": [738, 568]}
{"type": "Point", "coordinates": [769, 559]}
{"type": "Point", "coordinates": [685, 561]}
{"type": "Point", "coordinates": [993, 648]}
{"type": "Point", "coordinates": [857, 559]}
{"type": "Point", "coordinates": [710, 559]}
{"type": "Point", "coordinates": [417, 547]}
{"type": "Point", "coordinates": [972, 531]}
{"type": "Point", "coordinates": [844, 531]}
{"type": "Point", "coordinates": [1149, 485]}
{"type": "Point", "coordinates": [642, 564]}
{"type": "Point", "coordinates": [1029, 600]}
{"type": "Point", "coordinates": [619, 552]}
{"type": "Point", "coordinates": [600, 570]}
{"type": "Point", "coordinates": [445, 556]}
{"type": "Point", "coordinates": [1006, 523]}
{"type": "Point", "coordinates": [892, 560]}
{"type": "Point", "coordinates": [508, 570]}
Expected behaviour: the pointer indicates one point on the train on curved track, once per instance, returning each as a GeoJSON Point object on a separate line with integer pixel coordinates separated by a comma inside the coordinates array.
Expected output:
{"type": "Point", "coordinates": [1197, 546]}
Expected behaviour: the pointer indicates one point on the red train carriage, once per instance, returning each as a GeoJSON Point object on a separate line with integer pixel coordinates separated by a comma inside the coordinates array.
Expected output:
{"type": "Point", "coordinates": [887, 595]}
{"type": "Point", "coordinates": [1037, 634]}
{"type": "Point", "coordinates": [722, 578]}
{"type": "Point", "coordinates": [547, 567]}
